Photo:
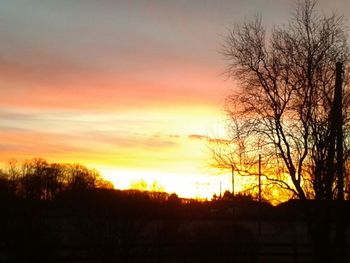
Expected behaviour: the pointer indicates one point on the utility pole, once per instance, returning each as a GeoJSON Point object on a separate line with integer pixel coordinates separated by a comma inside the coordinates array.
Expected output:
{"type": "Point", "coordinates": [259, 196]}
{"type": "Point", "coordinates": [233, 180]}
{"type": "Point", "coordinates": [338, 119]}
{"type": "Point", "coordinates": [339, 164]}
{"type": "Point", "coordinates": [259, 177]}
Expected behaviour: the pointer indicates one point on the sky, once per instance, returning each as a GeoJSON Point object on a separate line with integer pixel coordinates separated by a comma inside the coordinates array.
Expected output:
{"type": "Point", "coordinates": [131, 88]}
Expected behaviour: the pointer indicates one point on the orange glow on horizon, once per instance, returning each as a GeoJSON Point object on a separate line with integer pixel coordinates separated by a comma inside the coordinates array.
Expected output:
{"type": "Point", "coordinates": [184, 185]}
{"type": "Point", "coordinates": [162, 145]}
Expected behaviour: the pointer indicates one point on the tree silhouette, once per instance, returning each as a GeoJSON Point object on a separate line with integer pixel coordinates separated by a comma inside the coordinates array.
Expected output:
{"type": "Point", "coordinates": [286, 97]}
{"type": "Point", "coordinates": [286, 105]}
{"type": "Point", "coordinates": [36, 179]}
{"type": "Point", "coordinates": [223, 157]}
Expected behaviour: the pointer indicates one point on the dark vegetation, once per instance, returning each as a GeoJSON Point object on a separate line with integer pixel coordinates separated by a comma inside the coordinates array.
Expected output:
{"type": "Point", "coordinates": [67, 213]}
{"type": "Point", "coordinates": [107, 225]}
{"type": "Point", "coordinates": [37, 179]}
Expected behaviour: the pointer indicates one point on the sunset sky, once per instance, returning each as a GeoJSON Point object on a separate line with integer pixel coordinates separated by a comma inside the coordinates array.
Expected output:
{"type": "Point", "coordinates": [126, 87]}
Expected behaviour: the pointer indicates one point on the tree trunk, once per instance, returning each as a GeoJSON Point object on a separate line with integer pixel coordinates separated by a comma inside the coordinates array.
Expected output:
{"type": "Point", "coordinates": [320, 230]}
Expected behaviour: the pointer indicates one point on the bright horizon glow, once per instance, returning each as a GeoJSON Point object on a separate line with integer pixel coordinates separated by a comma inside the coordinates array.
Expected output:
{"type": "Point", "coordinates": [162, 145]}
{"type": "Point", "coordinates": [184, 185]}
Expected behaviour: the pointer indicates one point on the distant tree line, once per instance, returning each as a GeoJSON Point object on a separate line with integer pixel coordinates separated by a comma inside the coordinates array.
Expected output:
{"type": "Point", "coordinates": [109, 225]}
{"type": "Point", "coordinates": [36, 179]}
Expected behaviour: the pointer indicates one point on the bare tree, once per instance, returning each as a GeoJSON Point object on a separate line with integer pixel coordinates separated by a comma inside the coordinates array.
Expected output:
{"type": "Point", "coordinates": [286, 94]}
{"type": "Point", "coordinates": [39, 180]}
{"type": "Point", "coordinates": [233, 155]}
{"type": "Point", "coordinates": [223, 157]}
{"type": "Point", "coordinates": [242, 156]}
{"type": "Point", "coordinates": [286, 101]}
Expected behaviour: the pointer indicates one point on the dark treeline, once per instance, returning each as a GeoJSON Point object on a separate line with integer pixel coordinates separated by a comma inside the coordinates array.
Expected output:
{"type": "Point", "coordinates": [36, 179]}
{"type": "Point", "coordinates": [68, 213]}
{"type": "Point", "coordinates": [107, 225]}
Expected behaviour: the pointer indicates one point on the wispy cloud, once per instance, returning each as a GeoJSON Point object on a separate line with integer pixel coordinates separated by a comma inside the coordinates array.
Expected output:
{"type": "Point", "coordinates": [209, 139]}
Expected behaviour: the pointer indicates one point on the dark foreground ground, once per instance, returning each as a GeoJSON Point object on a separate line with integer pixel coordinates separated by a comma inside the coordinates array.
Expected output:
{"type": "Point", "coordinates": [114, 226]}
